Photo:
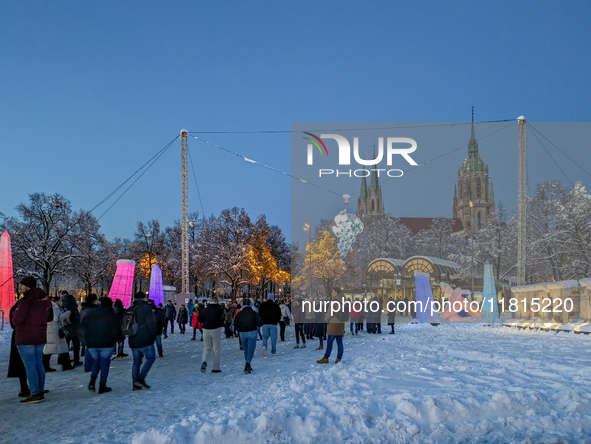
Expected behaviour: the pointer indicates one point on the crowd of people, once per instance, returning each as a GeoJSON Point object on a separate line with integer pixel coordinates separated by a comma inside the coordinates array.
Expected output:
{"type": "Point", "coordinates": [96, 332]}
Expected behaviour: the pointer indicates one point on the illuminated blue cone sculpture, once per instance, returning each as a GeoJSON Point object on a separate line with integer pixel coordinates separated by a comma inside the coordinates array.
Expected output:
{"type": "Point", "coordinates": [424, 298]}
{"type": "Point", "coordinates": [490, 307]}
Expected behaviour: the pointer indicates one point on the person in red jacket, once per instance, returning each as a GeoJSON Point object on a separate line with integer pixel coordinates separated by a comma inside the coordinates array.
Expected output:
{"type": "Point", "coordinates": [30, 319]}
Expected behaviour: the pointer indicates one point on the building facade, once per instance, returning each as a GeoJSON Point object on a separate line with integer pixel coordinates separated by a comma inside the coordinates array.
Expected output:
{"type": "Point", "coordinates": [370, 202]}
{"type": "Point", "coordinates": [474, 199]}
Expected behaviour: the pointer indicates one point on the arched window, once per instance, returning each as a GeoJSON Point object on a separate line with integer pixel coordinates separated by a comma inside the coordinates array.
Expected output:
{"type": "Point", "coordinates": [479, 221]}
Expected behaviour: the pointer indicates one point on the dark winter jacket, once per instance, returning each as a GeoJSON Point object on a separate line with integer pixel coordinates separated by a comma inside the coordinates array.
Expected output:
{"type": "Point", "coordinates": [299, 316]}
{"type": "Point", "coordinates": [169, 312]}
{"type": "Point", "coordinates": [30, 318]}
{"type": "Point", "coordinates": [85, 306]}
{"type": "Point", "coordinates": [69, 303]}
{"type": "Point", "coordinates": [183, 316]}
{"type": "Point", "coordinates": [119, 314]}
{"type": "Point", "coordinates": [229, 314]}
{"type": "Point", "coordinates": [160, 321]}
{"type": "Point", "coordinates": [247, 320]}
{"type": "Point", "coordinates": [212, 317]}
{"type": "Point", "coordinates": [270, 313]}
{"type": "Point", "coordinates": [16, 367]}
{"type": "Point", "coordinates": [147, 323]}
{"type": "Point", "coordinates": [100, 328]}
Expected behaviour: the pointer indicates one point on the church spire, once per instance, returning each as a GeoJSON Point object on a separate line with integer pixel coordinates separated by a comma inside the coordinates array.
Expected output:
{"type": "Point", "coordinates": [363, 193]}
{"type": "Point", "coordinates": [472, 145]}
{"type": "Point", "coordinates": [374, 184]}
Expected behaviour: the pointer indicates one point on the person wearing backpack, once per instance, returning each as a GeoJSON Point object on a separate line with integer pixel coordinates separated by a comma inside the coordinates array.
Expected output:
{"type": "Point", "coordinates": [139, 325]}
{"type": "Point", "coordinates": [336, 327]}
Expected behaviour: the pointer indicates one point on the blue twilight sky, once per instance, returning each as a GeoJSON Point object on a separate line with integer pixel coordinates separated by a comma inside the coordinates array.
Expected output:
{"type": "Point", "coordinates": [89, 91]}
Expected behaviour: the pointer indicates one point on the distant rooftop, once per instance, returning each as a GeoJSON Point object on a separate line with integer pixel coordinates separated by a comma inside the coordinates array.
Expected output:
{"type": "Point", "coordinates": [417, 224]}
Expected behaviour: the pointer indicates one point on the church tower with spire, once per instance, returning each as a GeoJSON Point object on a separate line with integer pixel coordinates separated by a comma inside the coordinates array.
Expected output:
{"type": "Point", "coordinates": [370, 202]}
{"type": "Point", "coordinates": [474, 201]}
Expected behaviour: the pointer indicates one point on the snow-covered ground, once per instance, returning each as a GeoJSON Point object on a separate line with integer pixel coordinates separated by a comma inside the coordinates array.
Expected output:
{"type": "Point", "coordinates": [445, 384]}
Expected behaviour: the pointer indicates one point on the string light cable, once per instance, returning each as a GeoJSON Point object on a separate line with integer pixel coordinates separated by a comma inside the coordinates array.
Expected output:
{"type": "Point", "coordinates": [149, 164]}
{"type": "Point", "coordinates": [554, 145]}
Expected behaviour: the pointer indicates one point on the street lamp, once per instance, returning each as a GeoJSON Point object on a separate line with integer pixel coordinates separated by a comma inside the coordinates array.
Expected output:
{"type": "Point", "coordinates": [309, 230]}
{"type": "Point", "coordinates": [472, 242]}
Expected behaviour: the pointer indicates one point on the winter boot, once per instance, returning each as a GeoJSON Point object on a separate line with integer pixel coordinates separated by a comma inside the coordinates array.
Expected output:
{"type": "Point", "coordinates": [136, 386]}
{"type": "Point", "coordinates": [297, 346]}
{"type": "Point", "coordinates": [320, 347]}
{"type": "Point", "coordinates": [203, 367]}
{"type": "Point", "coordinates": [32, 399]}
{"type": "Point", "coordinates": [247, 368]}
{"type": "Point", "coordinates": [103, 388]}
{"type": "Point", "coordinates": [263, 351]}
{"type": "Point", "coordinates": [142, 383]}
{"type": "Point", "coordinates": [303, 346]}
{"type": "Point", "coordinates": [337, 361]}
{"type": "Point", "coordinates": [322, 361]}
{"type": "Point", "coordinates": [91, 384]}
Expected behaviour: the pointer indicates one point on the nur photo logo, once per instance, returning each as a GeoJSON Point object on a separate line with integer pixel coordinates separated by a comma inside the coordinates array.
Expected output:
{"type": "Point", "coordinates": [394, 146]}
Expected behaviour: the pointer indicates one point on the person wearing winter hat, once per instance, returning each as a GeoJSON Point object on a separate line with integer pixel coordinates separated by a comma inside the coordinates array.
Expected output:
{"type": "Point", "coordinates": [270, 313]}
{"type": "Point", "coordinates": [30, 318]}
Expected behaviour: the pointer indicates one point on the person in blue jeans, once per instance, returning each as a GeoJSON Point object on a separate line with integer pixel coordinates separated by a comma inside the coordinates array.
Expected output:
{"type": "Point", "coordinates": [336, 328]}
{"type": "Point", "coordinates": [30, 318]}
{"type": "Point", "coordinates": [246, 323]}
{"type": "Point", "coordinates": [101, 331]}
{"type": "Point", "coordinates": [270, 313]}
{"type": "Point", "coordinates": [142, 344]}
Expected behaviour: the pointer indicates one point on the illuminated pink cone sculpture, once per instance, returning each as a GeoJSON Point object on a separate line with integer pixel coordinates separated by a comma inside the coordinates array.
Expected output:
{"type": "Point", "coordinates": [122, 287]}
{"type": "Point", "coordinates": [6, 279]}
{"type": "Point", "coordinates": [156, 293]}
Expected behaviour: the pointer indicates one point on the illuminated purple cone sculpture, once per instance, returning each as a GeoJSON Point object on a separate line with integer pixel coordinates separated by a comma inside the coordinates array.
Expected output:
{"type": "Point", "coordinates": [122, 287]}
{"type": "Point", "coordinates": [6, 278]}
{"type": "Point", "coordinates": [424, 298]}
{"type": "Point", "coordinates": [156, 293]}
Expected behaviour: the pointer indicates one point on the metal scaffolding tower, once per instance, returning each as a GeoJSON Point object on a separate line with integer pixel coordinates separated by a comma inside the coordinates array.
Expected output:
{"type": "Point", "coordinates": [522, 203]}
{"type": "Point", "coordinates": [185, 214]}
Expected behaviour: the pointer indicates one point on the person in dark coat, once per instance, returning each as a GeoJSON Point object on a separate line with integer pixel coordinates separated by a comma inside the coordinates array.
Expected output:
{"type": "Point", "coordinates": [142, 344]}
{"type": "Point", "coordinates": [183, 318]}
{"type": "Point", "coordinates": [30, 319]}
{"type": "Point", "coordinates": [101, 332]}
{"type": "Point", "coordinates": [169, 316]}
{"type": "Point", "coordinates": [246, 322]}
{"type": "Point", "coordinates": [391, 314]}
{"type": "Point", "coordinates": [73, 338]}
{"type": "Point", "coordinates": [160, 323]}
{"type": "Point", "coordinates": [119, 314]}
{"type": "Point", "coordinates": [319, 326]}
{"type": "Point", "coordinates": [16, 368]}
{"type": "Point", "coordinates": [270, 313]}
{"type": "Point", "coordinates": [228, 318]}
{"type": "Point", "coordinates": [212, 318]}
{"type": "Point", "coordinates": [299, 318]}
